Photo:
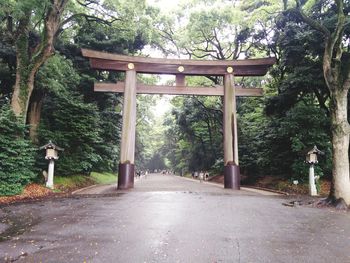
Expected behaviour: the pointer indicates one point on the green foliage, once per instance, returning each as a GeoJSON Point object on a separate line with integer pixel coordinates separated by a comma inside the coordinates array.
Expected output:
{"type": "Point", "coordinates": [307, 126]}
{"type": "Point", "coordinates": [74, 126]}
{"type": "Point", "coordinates": [16, 154]}
{"type": "Point", "coordinates": [194, 139]}
{"type": "Point", "coordinates": [277, 145]}
{"type": "Point", "coordinates": [299, 71]}
{"type": "Point", "coordinates": [67, 120]}
{"type": "Point", "coordinates": [147, 140]}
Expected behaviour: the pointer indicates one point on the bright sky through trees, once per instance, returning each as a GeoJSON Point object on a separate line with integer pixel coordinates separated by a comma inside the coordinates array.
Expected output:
{"type": "Point", "coordinates": [163, 105]}
{"type": "Point", "coordinates": [165, 5]}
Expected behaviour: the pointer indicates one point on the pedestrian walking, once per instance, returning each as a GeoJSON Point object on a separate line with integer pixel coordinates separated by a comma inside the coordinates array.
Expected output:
{"type": "Point", "coordinates": [206, 176]}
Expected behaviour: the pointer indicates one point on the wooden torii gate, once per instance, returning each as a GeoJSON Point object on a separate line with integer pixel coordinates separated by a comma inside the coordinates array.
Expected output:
{"type": "Point", "coordinates": [180, 68]}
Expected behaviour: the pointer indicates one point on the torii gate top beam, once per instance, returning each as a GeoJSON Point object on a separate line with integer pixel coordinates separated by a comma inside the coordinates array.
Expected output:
{"type": "Point", "coordinates": [247, 67]}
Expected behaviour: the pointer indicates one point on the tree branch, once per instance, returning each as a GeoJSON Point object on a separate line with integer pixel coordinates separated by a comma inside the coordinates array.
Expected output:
{"type": "Point", "coordinates": [51, 25]}
{"type": "Point", "coordinates": [321, 100]}
{"type": "Point", "coordinates": [218, 46]}
{"type": "Point", "coordinates": [88, 3]}
{"type": "Point", "coordinates": [314, 24]}
{"type": "Point", "coordinates": [89, 18]}
{"type": "Point", "coordinates": [205, 107]}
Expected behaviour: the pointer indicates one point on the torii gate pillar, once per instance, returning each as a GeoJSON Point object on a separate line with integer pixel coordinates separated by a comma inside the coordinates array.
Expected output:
{"type": "Point", "coordinates": [231, 168]}
{"type": "Point", "coordinates": [127, 151]}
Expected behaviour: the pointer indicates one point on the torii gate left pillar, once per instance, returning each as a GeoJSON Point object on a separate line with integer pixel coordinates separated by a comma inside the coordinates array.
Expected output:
{"type": "Point", "coordinates": [127, 151]}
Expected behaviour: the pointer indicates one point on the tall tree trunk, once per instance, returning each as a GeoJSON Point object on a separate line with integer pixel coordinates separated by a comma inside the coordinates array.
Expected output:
{"type": "Point", "coordinates": [22, 91]}
{"type": "Point", "coordinates": [338, 86]}
{"type": "Point", "coordinates": [23, 86]}
{"type": "Point", "coordinates": [34, 114]}
{"type": "Point", "coordinates": [340, 143]}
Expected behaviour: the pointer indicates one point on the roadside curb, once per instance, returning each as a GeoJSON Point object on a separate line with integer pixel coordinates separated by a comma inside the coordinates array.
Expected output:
{"type": "Point", "coordinates": [85, 188]}
{"type": "Point", "coordinates": [267, 190]}
{"type": "Point", "coordinates": [243, 187]}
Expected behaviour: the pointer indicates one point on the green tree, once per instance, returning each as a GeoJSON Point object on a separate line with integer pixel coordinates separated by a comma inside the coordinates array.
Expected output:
{"type": "Point", "coordinates": [215, 30]}
{"type": "Point", "coordinates": [329, 19]}
{"type": "Point", "coordinates": [31, 28]}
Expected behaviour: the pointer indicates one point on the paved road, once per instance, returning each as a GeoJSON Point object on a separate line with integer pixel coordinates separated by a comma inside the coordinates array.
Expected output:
{"type": "Point", "coordinates": [170, 219]}
{"type": "Point", "coordinates": [158, 182]}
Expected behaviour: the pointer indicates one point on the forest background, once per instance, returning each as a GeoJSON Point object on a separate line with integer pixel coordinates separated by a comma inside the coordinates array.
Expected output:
{"type": "Point", "coordinates": [275, 131]}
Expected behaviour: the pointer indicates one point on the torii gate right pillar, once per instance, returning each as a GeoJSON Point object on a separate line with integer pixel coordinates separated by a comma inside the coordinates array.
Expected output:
{"type": "Point", "coordinates": [231, 168]}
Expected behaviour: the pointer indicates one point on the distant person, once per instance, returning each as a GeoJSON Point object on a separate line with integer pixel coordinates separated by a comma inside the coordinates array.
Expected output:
{"type": "Point", "coordinates": [201, 176]}
{"type": "Point", "coordinates": [192, 175]}
{"type": "Point", "coordinates": [206, 176]}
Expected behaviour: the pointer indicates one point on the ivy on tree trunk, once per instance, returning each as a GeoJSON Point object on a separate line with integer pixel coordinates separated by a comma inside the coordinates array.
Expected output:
{"type": "Point", "coordinates": [29, 59]}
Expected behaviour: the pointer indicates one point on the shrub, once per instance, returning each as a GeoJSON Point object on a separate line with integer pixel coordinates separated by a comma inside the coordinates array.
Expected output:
{"type": "Point", "coordinates": [16, 154]}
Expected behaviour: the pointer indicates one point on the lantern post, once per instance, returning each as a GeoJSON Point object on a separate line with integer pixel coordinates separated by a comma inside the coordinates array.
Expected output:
{"type": "Point", "coordinates": [311, 158]}
{"type": "Point", "coordinates": [51, 155]}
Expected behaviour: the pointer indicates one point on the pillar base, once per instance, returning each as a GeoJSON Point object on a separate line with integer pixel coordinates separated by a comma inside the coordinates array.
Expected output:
{"type": "Point", "coordinates": [232, 177]}
{"type": "Point", "coordinates": [126, 176]}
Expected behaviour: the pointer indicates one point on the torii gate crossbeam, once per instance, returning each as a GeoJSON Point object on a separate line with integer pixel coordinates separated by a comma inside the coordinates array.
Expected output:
{"type": "Point", "coordinates": [180, 68]}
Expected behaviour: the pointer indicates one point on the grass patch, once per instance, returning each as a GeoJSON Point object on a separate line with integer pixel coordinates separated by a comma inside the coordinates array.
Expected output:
{"type": "Point", "coordinates": [69, 183]}
{"type": "Point", "coordinates": [104, 178]}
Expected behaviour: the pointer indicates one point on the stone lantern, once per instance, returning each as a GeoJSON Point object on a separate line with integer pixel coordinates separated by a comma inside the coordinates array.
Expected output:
{"type": "Point", "coordinates": [51, 155]}
{"type": "Point", "coordinates": [311, 158]}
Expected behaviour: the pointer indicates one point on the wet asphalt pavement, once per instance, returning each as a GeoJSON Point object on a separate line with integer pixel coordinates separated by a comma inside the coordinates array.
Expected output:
{"type": "Point", "coordinates": [170, 219]}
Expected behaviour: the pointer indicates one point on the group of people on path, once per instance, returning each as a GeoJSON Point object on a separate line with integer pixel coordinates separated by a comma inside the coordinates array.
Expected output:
{"type": "Point", "coordinates": [200, 175]}
{"type": "Point", "coordinates": [140, 173]}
